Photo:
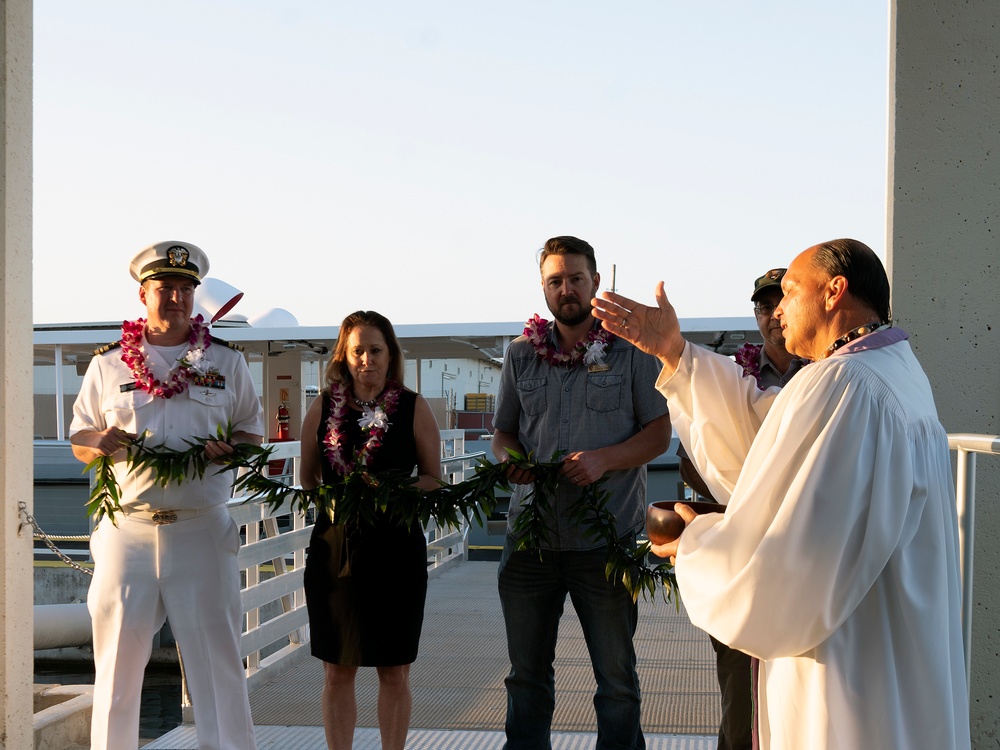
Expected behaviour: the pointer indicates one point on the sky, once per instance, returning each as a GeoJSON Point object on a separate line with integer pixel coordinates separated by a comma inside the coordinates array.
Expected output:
{"type": "Point", "coordinates": [413, 157]}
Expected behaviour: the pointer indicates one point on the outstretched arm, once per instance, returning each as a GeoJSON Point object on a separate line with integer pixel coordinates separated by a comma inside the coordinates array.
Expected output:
{"type": "Point", "coordinates": [655, 330]}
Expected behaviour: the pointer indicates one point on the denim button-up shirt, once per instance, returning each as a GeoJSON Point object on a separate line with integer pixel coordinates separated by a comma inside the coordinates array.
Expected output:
{"type": "Point", "coordinates": [552, 408]}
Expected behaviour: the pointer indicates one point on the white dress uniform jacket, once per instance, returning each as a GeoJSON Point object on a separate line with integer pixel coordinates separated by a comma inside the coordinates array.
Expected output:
{"type": "Point", "coordinates": [107, 398]}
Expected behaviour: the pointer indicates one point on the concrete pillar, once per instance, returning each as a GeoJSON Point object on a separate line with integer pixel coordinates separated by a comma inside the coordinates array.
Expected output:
{"type": "Point", "coordinates": [943, 248]}
{"type": "Point", "coordinates": [16, 413]}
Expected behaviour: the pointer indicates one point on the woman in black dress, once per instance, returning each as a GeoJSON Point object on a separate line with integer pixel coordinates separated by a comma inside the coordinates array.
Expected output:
{"type": "Point", "coordinates": [366, 583]}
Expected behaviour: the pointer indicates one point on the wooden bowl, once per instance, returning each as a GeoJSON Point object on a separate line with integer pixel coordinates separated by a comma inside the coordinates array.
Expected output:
{"type": "Point", "coordinates": [664, 524]}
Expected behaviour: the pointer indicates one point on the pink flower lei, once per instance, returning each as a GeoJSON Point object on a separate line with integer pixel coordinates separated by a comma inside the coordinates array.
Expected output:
{"type": "Point", "coordinates": [591, 350]}
{"type": "Point", "coordinates": [748, 357]}
{"type": "Point", "coordinates": [134, 355]}
{"type": "Point", "coordinates": [374, 421]}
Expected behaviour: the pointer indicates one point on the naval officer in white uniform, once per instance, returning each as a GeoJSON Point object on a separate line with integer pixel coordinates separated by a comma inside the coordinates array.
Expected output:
{"type": "Point", "coordinates": [173, 551]}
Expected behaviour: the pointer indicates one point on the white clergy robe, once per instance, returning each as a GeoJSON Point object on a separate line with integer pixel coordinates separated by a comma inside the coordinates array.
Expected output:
{"type": "Point", "coordinates": [836, 562]}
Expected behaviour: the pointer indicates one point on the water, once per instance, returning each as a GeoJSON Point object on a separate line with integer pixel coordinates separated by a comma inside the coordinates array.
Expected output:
{"type": "Point", "coordinates": [160, 704]}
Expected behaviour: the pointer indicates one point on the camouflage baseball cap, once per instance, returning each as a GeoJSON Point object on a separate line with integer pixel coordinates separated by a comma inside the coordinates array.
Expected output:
{"type": "Point", "coordinates": [769, 280]}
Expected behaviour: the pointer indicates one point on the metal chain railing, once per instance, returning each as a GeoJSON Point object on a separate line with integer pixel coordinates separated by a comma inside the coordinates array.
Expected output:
{"type": "Point", "coordinates": [39, 534]}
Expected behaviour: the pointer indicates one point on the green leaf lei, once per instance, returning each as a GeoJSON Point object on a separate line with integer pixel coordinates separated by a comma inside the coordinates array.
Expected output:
{"type": "Point", "coordinates": [362, 495]}
{"type": "Point", "coordinates": [169, 465]}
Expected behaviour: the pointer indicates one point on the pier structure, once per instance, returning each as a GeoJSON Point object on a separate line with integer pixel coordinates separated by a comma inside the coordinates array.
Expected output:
{"type": "Point", "coordinates": [941, 248]}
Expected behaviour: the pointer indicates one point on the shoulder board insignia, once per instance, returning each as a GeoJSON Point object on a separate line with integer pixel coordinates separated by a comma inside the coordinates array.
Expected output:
{"type": "Point", "coordinates": [107, 348]}
{"type": "Point", "coordinates": [230, 344]}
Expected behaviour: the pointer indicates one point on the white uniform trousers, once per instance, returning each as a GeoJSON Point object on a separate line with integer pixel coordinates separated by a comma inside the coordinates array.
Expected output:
{"type": "Point", "coordinates": [185, 571]}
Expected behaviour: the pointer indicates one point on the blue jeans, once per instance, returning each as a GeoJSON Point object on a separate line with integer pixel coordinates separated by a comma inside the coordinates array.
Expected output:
{"type": "Point", "coordinates": [532, 595]}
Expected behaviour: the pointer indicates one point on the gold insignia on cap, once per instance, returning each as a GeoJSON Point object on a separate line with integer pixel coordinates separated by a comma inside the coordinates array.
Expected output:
{"type": "Point", "coordinates": [775, 273]}
{"type": "Point", "coordinates": [177, 255]}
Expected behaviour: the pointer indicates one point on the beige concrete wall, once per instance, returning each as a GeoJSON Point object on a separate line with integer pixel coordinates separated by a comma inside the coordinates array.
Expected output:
{"type": "Point", "coordinates": [15, 370]}
{"type": "Point", "coordinates": [944, 254]}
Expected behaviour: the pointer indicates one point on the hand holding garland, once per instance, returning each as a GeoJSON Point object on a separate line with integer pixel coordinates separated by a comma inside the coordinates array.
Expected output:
{"type": "Point", "coordinates": [169, 465]}
{"type": "Point", "coordinates": [97, 449]}
{"type": "Point", "coordinates": [625, 562]}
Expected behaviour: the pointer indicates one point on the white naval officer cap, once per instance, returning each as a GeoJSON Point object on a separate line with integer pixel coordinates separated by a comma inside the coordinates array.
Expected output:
{"type": "Point", "coordinates": [169, 259]}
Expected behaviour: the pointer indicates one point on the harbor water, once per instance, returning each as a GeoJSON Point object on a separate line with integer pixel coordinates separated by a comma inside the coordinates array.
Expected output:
{"type": "Point", "coordinates": [160, 705]}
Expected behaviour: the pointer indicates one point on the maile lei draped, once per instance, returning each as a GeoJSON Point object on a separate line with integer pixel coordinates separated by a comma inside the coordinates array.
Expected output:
{"type": "Point", "coordinates": [361, 494]}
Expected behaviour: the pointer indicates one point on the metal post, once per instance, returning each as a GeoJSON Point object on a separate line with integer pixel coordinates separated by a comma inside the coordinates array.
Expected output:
{"type": "Point", "coordinates": [965, 491]}
{"type": "Point", "coordinates": [60, 398]}
{"type": "Point", "coordinates": [966, 446]}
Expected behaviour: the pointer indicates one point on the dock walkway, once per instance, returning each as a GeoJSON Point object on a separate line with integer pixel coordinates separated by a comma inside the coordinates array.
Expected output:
{"type": "Point", "coordinates": [459, 700]}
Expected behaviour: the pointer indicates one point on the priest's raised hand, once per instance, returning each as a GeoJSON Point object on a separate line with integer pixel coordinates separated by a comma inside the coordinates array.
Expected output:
{"type": "Point", "coordinates": [655, 330]}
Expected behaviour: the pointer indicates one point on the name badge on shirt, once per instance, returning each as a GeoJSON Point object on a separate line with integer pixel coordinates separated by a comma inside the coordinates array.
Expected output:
{"type": "Point", "coordinates": [211, 379]}
{"type": "Point", "coordinates": [128, 387]}
{"type": "Point", "coordinates": [599, 368]}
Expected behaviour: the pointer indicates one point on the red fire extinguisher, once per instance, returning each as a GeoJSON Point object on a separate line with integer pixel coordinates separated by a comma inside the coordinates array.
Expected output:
{"type": "Point", "coordinates": [283, 419]}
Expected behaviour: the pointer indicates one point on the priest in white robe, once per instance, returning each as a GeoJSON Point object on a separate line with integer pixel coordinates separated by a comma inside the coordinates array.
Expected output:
{"type": "Point", "coordinates": [836, 562]}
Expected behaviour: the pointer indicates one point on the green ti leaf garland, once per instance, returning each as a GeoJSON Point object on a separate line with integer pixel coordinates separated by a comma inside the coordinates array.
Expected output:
{"type": "Point", "coordinates": [362, 495]}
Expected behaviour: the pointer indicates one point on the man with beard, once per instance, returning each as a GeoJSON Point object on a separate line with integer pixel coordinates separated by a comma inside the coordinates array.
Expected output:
{"type": "Point", "coordinates": [570, 386]}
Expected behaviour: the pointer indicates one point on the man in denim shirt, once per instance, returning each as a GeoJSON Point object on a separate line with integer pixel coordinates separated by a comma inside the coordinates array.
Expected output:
{"type": "Point", "coordinates": [567, 386]}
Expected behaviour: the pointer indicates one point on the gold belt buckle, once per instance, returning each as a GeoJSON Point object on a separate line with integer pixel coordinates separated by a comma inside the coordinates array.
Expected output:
{"type": "Point", "coordinates": [163, 517]}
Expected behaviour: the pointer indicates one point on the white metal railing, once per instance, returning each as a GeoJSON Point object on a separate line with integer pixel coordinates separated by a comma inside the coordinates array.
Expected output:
{"type": "Point", "coordinates": [267, 549]}
{"type": "Point", "coordinates": [967, 446]}
{"type": "Point", "coordinates": [446, 545]}
{"type": "Point", "coordinates": [272, 562]}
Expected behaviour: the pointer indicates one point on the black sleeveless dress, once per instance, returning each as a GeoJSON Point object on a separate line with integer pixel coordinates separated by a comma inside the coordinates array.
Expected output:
{"type": "Point", "coordinates": [365, 587]}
